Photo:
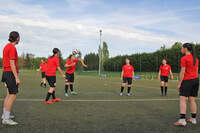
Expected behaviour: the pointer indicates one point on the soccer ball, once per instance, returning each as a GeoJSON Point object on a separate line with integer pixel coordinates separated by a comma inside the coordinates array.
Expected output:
{"type": "Point", "coordinates": [75, 52]}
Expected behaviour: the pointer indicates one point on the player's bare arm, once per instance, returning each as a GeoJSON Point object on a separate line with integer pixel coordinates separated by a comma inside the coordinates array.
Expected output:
{"type": "Point", "coordinates": [12, 64]}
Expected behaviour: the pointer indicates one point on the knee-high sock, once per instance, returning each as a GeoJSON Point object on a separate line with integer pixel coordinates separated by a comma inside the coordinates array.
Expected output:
{"type": "Point", "coordinates": [48, 96]}
{"type": "Point", "coordinates": [71, 88]}
{"type": "Point", "coordinates": [122, 89]}
{"type": "Point", "coordinates": [129, 89]}
{"type": "Point", "coordinates": [161, 90]}
{"type": "Point", "coordinates": [66, 88]}
{"type": "Point", "coordinates": [54, 95]}
{"type": "Point", "coordinates": [165, 91]}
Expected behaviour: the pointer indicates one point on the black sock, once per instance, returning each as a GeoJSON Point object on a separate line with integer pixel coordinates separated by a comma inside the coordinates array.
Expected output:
{"type": "Point", "coordinates": [71, 88]}
{"type": "Point", "coordinates": [161, 90]}
{"type": "Point", "coordinates": [54, 95]}
{"type": "Point", "coordinates": [48, 96]}
{"type": "Point", "coordinates": [66, 88]}
{"type": "Point", "coordinates": [193, 115]}
{"type": "Point", "coordinates": [122, 89]}
{"type": "Point", "coordinates": [129, 89]}
{"type": "Point", "coordinates": [182, 116]}
{"type": "Point", "coordinates": [165, 91]}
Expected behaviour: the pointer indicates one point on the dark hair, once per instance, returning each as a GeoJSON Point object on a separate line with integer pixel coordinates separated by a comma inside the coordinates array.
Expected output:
{"type": "Point", "coordinates": [70, 56]}
{"type": "Point", "coordinates": [13, 36]}
{"type": "Point", "coordinates": [55, 51]}
{"type": "Point", "coordinates": [128, 59]}
{"type": "Point", "coordinates": [191, 47]}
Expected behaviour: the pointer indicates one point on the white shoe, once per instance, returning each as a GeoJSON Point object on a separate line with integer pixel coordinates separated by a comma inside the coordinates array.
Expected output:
{"type": "Point", "coordinates": [66, 95]}
{"type": "Point", "coordinates": [11, 117]}
{"type": "Point", "coordinates": [192, 120]}
{"type": "Point", "coordinates": [74, 93]}
{"type": "Point", "coordinates": [9, 122]}
{"type": "Point", "coordinates": [180, 122]}
{"type": "Point", "coordinates": [128, 94]}
{"type": "Point", "coordinates": [121, 94]}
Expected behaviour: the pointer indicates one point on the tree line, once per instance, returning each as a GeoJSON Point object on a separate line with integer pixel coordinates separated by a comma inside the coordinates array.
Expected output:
{"type": "Point", "coordinates": [142, 62]}
{"type": "Point", "coordinates": [150, 62]}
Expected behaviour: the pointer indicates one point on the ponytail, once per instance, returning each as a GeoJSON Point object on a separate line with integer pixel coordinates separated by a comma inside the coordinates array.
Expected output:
{"type": "Point", "coordinates": [55, 51]}
{"type": "Point", "coordinates": [191, 48]}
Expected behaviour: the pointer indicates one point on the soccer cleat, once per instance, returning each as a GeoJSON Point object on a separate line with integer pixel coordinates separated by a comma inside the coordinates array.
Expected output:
{"type": "Point", "coordinates": [74, 93]}
{"type": "Point", "coordinates": [128, 94]}
{"type": "Point", "coordinates": [121, 94]}
{"type": "Point", "coordinates": [48, 102]}
{"type": "Point", "coordinates": [11, 117]}
{"type": "Point", "coordinates": [180, 122]}
{"type": "Point", "coordinates": [66, 94]}
{"type": "Point", "coordinates": [56, 100]}
{"type": "Point", "coordinates": [9, 122]}
{"type": "Point", "coordinates": [192, 120]}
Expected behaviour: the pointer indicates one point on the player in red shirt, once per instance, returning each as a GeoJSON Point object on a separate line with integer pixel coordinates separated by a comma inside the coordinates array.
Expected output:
{"type": "Point", "coordinates": [188, 84]}
{"type": "Point", "coordinates": [10, 77]}
{"type": "Point", "coordinates": [163, 75]}
{"type": "Point", "coordinates": [127, 76]}
{"type": "Point", "coordinates": [42, 68]}
{"type": "Point", "coordinates": [52, 65]}
{"type": "Point", "coordinates": [71, 67]}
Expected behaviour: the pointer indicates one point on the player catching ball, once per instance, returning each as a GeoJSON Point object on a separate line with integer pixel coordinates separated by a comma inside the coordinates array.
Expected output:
{"type": "Point", "coordinates": [188, 84]}
{"type": "Point", "coordinates": [42, 68]}
{"type": "Point", "coordinates": [10, 77]}
{"type": "Point", "coordinates": [127, 76]}
{"type": "Point", "coordinates": [163, 75]}
{"type": "Point", "coordinates": [52, 65]}
{"type": "Point", "coordinates": [71, 67]}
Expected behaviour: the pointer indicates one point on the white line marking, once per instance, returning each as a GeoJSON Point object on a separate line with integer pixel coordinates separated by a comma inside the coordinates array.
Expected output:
{"type": "Point", "coordinates": [100, 100]}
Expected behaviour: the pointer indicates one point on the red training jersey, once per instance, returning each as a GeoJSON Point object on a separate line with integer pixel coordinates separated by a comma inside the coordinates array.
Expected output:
{"type": "Point", "coordinates": [43, 66]}
{"type": "Point", "coordinates": [191, 71]}
{"type": "Point", "coordinates": [71, 69]}
{"type": "Point", "coordinates": [52, 64]}
{"type": "Point", "coordinates": [9, 53]}
{"type": "Point", "coordinates": [165, 69]}
{"type": "Point", "coordinates": [128, 71]}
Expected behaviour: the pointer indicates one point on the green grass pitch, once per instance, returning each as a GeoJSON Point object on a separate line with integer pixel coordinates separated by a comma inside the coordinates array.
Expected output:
{"type": "Point", "coordinates": [97, 108]}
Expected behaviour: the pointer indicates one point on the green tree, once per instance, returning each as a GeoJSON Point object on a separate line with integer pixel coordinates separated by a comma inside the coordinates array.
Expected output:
{"type": "Point", "coordinates": [92, 60]}
{"type": "Point", "coordinates": [61, 61]}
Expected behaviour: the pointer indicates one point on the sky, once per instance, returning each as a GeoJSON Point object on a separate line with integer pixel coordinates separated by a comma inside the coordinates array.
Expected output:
{"type": "Point", "coordinates": [128, 26]}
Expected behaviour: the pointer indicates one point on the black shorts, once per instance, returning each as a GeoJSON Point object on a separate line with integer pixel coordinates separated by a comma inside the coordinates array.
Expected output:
{"type": "Point", "coordinates": [51, 80]}
{"type": "Point", "coordinates": [164, 78]}
{"type": "Point", "coordinates": [9, 79]}
{"type": "Point", "coordinates": [70, 77]}
{"type": "Point", "coordinates": [127, 80]}
{"type": "Point", "coordinates": [43, 75]}
{"type": "Point", "coordinates": [189, 88]}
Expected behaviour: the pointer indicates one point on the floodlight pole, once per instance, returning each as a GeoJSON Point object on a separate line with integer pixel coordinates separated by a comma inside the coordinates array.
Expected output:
{"type": "Point", "coordinates": [100, 53]}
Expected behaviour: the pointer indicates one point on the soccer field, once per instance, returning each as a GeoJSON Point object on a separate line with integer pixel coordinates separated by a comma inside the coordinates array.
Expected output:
{"type": "Point", "coordinates": [97, 108]}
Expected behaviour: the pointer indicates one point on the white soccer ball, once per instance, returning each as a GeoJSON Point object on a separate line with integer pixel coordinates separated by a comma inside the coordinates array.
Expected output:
{"type": "Point", "coordinates": [75, 52]}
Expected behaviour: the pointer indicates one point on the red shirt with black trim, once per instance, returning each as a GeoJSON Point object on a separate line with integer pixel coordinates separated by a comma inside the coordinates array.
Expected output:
{"type": "Point", "coordinates": [51, 67]}
{"type": "Point", "coordinates": [128, 71]}
{"type": "Point", "coordinates": [43, 66]}
{"type": "Point", "coordinates": [71, 69]}
{"type": "Point", "coordinates": [165, 69]}
{"type": "Point", "coordinates": [191, 71]}
{"type": "Point", "coordinates": [9, 53]}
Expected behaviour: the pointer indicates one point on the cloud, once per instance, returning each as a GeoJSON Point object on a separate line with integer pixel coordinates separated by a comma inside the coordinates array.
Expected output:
{"type": "Point", "coordinates": [40, 31]}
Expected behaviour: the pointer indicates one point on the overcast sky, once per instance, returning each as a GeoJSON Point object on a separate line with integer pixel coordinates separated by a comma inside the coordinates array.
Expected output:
{"type": "Point", "coordinates": [129, 26]}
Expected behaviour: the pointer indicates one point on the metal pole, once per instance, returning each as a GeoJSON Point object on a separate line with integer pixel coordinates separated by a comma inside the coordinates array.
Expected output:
{"type": "Point", "coordinates": [100, 53]}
